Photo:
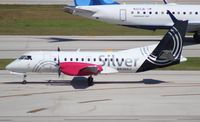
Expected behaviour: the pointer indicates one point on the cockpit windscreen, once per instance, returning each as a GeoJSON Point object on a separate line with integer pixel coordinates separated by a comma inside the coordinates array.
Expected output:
{"type": "Point", "coordinates": [25, 57]}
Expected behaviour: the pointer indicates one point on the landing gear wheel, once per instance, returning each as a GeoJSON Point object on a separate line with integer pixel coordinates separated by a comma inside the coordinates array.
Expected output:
{"type": "Point", "coordinates": [90, 81]}
{"type": "Point", "coordinates": [24, 79]}
{"type": "Point", "coordinates": [24, 82]}
{"type": "Point", "coordinates": [196, 37]}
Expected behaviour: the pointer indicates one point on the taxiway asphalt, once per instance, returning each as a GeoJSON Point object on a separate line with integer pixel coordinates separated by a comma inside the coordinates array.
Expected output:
{"type": "Point", "coordinates": [150, 96]}
{"type": "Point", "coordinates": [14, 46]}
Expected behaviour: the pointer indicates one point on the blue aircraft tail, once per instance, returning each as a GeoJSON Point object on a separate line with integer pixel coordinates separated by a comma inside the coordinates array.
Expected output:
{"type": "Point", "coordinates": [94, 2]}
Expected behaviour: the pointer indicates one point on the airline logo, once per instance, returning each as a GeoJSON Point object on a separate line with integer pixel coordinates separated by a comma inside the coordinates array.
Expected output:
{"type": "Point", "coordinates": [111, 60]}
{"type": "Point", "coordinates": [175, 53]}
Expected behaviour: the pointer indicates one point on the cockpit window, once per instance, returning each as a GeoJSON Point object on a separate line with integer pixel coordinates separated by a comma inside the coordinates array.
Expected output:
{"type": "Point", "coordinates": [25, 57]}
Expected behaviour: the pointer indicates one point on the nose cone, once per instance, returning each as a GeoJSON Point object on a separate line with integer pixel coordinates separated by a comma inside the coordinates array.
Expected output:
{"type": "Point", "coordinates": [13, 66]}
{"type": "Point", "coordinates": [9, 67]}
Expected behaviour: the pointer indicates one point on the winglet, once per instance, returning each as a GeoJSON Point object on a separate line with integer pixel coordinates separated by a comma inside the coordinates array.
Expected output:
{"type": "Point", "coordinates": [174, 19]}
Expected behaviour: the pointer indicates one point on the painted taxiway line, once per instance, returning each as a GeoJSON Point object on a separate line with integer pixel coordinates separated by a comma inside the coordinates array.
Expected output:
{"type": "Point", "coordinates": [154, 95]}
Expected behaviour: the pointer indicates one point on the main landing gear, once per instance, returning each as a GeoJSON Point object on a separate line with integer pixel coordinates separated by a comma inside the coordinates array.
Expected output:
{"type": "Point", "coordinates": [90, 81]}
{"type": "Point", "coordinates": [24, 79]}
{"type": "Point", "coordinates": [196, 37]}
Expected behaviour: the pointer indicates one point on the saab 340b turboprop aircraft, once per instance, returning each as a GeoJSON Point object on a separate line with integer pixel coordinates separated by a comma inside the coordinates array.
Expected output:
{"type": "Point", "coordinates": [146, 16]}
{"type": "Point", "coordinates": [167, 52]}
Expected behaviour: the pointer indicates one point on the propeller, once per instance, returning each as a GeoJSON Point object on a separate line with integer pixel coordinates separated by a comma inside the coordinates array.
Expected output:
{"type": "Point", "coordinates": [58, 49]}
{"type": "Point", "coordinates": [58, 63]}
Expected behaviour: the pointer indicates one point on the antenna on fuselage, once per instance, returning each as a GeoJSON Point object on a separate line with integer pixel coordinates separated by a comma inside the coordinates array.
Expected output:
{"type": "Point", "coordinates": [165, 1]}
{"type": "Point", "coordinates": [58, 49]}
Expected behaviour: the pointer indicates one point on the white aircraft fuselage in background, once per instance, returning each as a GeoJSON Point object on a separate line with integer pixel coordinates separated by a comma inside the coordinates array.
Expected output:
{"type": "Point", "coordinates": [146, 16]}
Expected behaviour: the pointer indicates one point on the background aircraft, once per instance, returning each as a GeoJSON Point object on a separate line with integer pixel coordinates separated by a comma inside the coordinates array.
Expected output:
{"type": "Point", "coordinates": [167, 52]}
{"type": "Point", "coordinates": [146, 16]}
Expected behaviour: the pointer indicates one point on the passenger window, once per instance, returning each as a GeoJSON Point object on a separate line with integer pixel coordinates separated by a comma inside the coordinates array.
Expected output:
{"type": "Point", "coordinates": [150, 12]}
{"type": "Point", "coordinates": [88, 59]}
{"type": "Point", "coordinates": [144, 12]}
{"type": "Point", "coordinates": [94, 59]}
{"type": "Point", "coordinates": [156, 12]}
{"type": "Point", "coordinates": [196, 13]}
{"type": "Point", "coordinates": [82, 59]}
{"type": "Point", "coordinates": [132, 12]}
{"type": "Point", "coordinates": [71, 59]}
{"type": "Point", "coordinates": [65, 59]}
{"type": "Point", "coordinates": [184, 13]}
{"type": "Point", "coordinates": [76, 59]}
{"type": "Point", "coordinates": [178, 12]}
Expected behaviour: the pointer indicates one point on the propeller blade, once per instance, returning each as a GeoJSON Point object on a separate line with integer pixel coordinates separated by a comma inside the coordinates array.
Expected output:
{"type": "Point", "coordinates": [59, 72]}
{"type": "Point", "coordinates": [58, 63]}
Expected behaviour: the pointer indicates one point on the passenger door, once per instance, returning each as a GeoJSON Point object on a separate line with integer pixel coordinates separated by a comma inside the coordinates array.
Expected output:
{"type": "Point", "coordinates": [123, 14]}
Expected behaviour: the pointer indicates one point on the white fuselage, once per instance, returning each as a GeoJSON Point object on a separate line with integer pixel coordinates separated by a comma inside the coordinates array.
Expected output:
{"type": "Point", "coordinates": [111, 62]}
{"type": "Point", "coordinates": [153, 16]}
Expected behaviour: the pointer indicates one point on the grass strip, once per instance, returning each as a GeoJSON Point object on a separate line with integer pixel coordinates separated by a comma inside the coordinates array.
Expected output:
{"type": "Point", "coordinates": [52, 20]}
{"type": "Point", "coordinates": [4, 62]}
{"type": "Point", "coordinates": [193, 63]}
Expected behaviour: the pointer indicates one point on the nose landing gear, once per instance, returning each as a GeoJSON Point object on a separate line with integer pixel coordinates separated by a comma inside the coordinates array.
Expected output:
{"type": "Point", "coordinates": [24, 79]}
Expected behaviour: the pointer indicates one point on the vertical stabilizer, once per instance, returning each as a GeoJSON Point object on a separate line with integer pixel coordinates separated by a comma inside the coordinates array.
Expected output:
{"type": "Point", "coordinates": [169, 50]}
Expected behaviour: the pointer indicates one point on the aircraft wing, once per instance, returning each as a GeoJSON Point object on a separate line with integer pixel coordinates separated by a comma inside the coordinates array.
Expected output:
{"type": "Point", "coordinates": [79, 68]}
{"type": "Point", "coordinates": [74, 10]}
{"type": "Point", "coordinates": [193, 26]}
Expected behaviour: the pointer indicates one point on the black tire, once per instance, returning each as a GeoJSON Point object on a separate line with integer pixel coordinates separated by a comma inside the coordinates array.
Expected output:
{"type": "Point", "coordinates": [24, 82]}
{"type": "Point", "coordinates": [90, 81]}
